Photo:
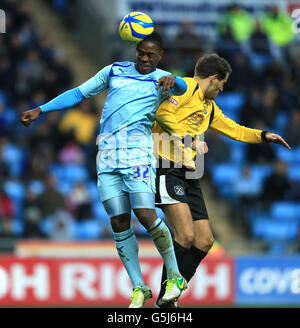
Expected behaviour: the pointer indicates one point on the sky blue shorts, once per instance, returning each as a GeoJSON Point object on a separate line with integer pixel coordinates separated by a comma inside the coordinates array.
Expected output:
{"type": "Point", "coordinates": [126, 182]}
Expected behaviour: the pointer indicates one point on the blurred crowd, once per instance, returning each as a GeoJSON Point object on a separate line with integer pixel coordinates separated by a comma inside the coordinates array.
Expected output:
{"type": "Point", "coordinates": [47, 172]}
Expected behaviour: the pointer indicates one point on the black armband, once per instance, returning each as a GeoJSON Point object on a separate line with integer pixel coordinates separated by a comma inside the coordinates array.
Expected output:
{"type": "Point", "coordinates": [263, 136]}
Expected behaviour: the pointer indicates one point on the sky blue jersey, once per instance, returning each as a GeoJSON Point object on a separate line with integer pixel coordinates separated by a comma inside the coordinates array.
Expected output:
{"type": "Point", "coordinates": [128, 114]}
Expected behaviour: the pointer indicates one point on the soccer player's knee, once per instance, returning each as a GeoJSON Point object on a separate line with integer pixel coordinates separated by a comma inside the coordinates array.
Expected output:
{"type": "Point", "coordinates": [206, 243]}
{"type": "Point", "coordinates": [120, 223]}
{"type": "Point", "coordinates": [187, 239]}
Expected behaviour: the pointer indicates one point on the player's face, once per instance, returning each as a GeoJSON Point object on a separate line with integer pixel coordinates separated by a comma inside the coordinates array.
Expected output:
{"type": "Point", "coordinates": [148, 55]}
{"type": "Point", "coordinates": [215, 87]}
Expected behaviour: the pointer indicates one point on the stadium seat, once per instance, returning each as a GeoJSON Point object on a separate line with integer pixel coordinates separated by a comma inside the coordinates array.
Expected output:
{"type": "Point", "coordinates": [270, 230]}
{"type": "Point", "coordinates": [13, 156]}
{"type": "Point", "coordinates": [284, 154]}
{"type": "Point", "coordinates": [99, 213]}
{"type": "Point", "coordinates": [230, 102]}
{"type": "Point", "coordinates": [238, 152]}
{"type": "Point", "coordinates": [88, 230]}
{"type": "Point", "coordinates": [69, 172]}
{"type": "Point", "coordinates": [93, 191]}
{"type": "Point", "coordinates": [278, 247]}
{"type": "Point", "coordinates": [261, 171]}
{"type": "Point", "coordinates": [16, 191]}
{"type": "Point", "coordinates": [225, 173]}
{"type": "Point", "coordinates": [285, 211]}
{"type": "Point", "coordinates": [294, 172]}
{"type": "Point", "coordinates": [280, 123]}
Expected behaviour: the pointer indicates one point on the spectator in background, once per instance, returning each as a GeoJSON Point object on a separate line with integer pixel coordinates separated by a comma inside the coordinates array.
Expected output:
{"type": "Point", "coordinates": [262, 153]}
{"type": "Point", "coordinates": [7, 213]}
{"type": "Point", "coordinates": [32, 215]}
{"type": "Point", "coordinates": [82, 121]}
{"type": "Point", "coordinates": [278, 26]}
{"type": "Point", "coordinates": [247, 187]}
{"type": "Point", "coordinates": [62, 226]}
{"type": "Point", "coordinates": [295, 70]}
{"type": "Point", "coordinates": [71, 153]}
{"type": "Point", "coordinates": [80, 202]}
{"type": "Point", "coordinates": [240, 21]}
{"type": "Point", "coordinates": [190, 45]}
{"type": "Point", "coordinates": [219, 150]}
{"type": "Point", "coordinates": [227, 44]}
{"type": "Point", "coordinates": [252, 107]}
{"type": "Point", "coordinates": [277, 185]}
{"type": "Point", "coordinates": [259, 40]}
{"type": "Point", "coordinates": [243, 75]}
{"type": "Point", "coordinates": [273, 74]}
{"type": "Point", "coordinates": [270, 104]}
{"type": "Point", "coordinates": [293, 128]}
{"type": "Point", "coordinates": [7, 74]}
{"type": "Point", "coordinates": [51, 200]}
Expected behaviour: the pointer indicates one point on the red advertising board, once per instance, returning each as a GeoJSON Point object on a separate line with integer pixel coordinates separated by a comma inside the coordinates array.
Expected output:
{"type": "Point", "coordinates": [103, 282]}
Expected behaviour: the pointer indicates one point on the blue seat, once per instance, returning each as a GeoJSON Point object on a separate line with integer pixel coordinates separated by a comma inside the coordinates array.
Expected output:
{"type": "Point", "coordinates": [284, 154]}
{"type": "Point", "coordinates": [280, 123]}
{"type": "Point", "coordinates": [88, 230]}
{"type": "Point", "coordinates": [230, 102]}
{"type": "Point", "coordinates": [285, 211]}
{"type": "Point", "coordinates": [13, 155]}
{"type": "Point", "coordinates": [294, 172]}
{"type": "Point", "coordinates": [296, 155]}
{"type": "Point", "coordinates": [99, 213]}
{"type": "Point", "coordinates": [238, 152]}
{"type": "Point", "coordinates": [225, 173]}
{"type": "Point", "coordinates": [270, 230]}
{"type": "Point", "coordinates": [261, 171]}
{"type": "Point", "coordinates": [16, 191]}
{"type": "Point", "coordinates": [93, 190]}
{"type": "Point", "coordinates": [75, 172]}
{"type": "Point", "coordinates": [69, 172]}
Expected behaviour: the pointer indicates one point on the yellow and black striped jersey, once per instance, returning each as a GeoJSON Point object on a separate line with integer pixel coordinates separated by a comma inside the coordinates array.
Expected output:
{"type": "Point", "coordinates": [191, 114]}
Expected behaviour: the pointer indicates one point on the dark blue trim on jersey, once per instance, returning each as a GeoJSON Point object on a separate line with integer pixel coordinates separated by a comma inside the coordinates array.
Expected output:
{"type": "Point", "coordinates": [112, 74]}
{"type": "Point", "coordinates": [67, 99]}
{"type": "Point", "coordinates": [179, 87]}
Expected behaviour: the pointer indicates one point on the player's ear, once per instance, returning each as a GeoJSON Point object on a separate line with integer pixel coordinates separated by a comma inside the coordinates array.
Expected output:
{"type": "Point", "coordinates": [161, 54]}
{"type": "Point", "coordinates": [214, 77]}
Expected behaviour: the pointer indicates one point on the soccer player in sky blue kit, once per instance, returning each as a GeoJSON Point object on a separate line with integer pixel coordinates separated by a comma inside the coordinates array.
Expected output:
{"type": "Point", "coordinates": [125, 161]}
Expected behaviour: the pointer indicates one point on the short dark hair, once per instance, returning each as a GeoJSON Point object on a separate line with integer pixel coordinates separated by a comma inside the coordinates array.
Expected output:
{"type": "Point", "coordinates": [211, 64]}
{"type": "Point", "coordinates": [154, 37]}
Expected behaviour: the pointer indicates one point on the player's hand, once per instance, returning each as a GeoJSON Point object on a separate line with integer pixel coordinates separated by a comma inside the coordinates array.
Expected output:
{"type": "Point", "coordinates": [30, 115]}
{"type": "Point", "coordinates": [200, 146]}
{"type": "Point", "coordinates": [166, 82]}
{"type": "Point", "coordinates": [277, 139]}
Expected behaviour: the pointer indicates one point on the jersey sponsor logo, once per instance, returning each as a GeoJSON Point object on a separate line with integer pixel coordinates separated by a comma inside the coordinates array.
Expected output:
{"type": "Point", "coordinates": [173, 101]}
{"type": "Point", "coordinates": [179, 190]}
{"type": "Point", "coordinates": [131, 85]}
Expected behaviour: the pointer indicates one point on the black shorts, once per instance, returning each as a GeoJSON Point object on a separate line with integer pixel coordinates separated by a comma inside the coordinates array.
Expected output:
{"type": "Point", "coordinates": [172, 187]}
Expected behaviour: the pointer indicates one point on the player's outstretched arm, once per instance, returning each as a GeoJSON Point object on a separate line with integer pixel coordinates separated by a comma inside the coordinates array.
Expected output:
{"type": "Point", "coordinates": [65, 100]}
{"type": "Point", "coordinates": [30, 115]}
{"type": "Point", "coordinates": [172, 82]}
{"type": "Point", "coordinates": [275, 138]}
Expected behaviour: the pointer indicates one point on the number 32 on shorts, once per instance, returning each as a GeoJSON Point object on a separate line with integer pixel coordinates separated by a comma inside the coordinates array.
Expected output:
{"type": "Point", "coordinates": [141, 172]}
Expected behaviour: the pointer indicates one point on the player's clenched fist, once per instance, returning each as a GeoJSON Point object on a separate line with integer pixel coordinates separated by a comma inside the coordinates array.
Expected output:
{"type": "Point", "coordinates": [30, 115]}
{"type": "Point", "coordinates": [167, 82]}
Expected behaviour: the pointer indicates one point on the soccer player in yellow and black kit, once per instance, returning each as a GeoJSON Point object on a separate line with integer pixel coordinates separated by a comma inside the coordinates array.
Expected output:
{"type": "Point", "coordinates": [180, 197]}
